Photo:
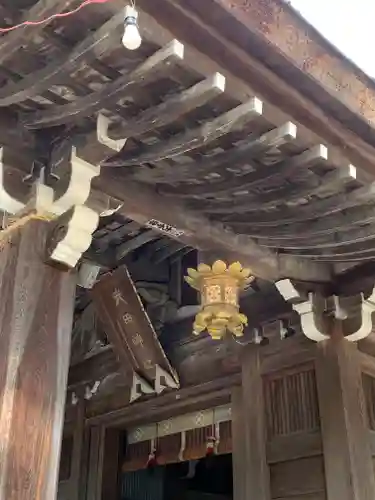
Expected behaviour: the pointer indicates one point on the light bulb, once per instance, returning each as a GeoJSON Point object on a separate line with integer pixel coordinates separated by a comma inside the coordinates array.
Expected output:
{"type": "Point", "coordinates": [132, 39]}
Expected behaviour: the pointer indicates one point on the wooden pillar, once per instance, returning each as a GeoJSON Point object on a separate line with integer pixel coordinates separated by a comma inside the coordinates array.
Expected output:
{"type": "Point", "coordinates": [104, 464]}
{"type": "Point", "coordinates": [77, 486]}
{"type": "Point", "coordinates": [251, 479]}
{"type": "Point", "coordinates": [347, 455]}
{"type": "Point", "coordinates": [36, 310]}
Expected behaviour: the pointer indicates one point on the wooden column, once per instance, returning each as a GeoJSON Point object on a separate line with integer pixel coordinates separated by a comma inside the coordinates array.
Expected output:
{"type": "Point", "coordinates": [77, 486]}
{"type": "Point", "coordinates": [36, 310]}
{"type": "Point", "coordinates": [347, 456]}
{"type": "Point", "coordinates": [104, 480]}
{"type": "Point", "coordinates": [251, 479]}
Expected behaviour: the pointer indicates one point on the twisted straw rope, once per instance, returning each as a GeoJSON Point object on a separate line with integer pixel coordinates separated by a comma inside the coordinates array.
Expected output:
{"type": "Point", "coordinates": [19, 223]}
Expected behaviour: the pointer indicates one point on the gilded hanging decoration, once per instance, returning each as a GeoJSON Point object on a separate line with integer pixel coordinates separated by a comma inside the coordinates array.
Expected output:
{"type": "Point", "coordinates": [219, 288]}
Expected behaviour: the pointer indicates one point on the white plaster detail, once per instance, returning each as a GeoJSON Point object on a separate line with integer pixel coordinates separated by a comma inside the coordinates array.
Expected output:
{"type": "Point", "coordinates": [182, 451]}
{"type": "Point", "coordinates": [87, 274]}
{"type": "Point", "coordinates": [90, 391]}
{"type": "Point", "coordinates": [305, 310]}
{"type": "Point", "coordinates": [287, 290]}
{"type": "Point", "coordinates": [368, 307]}
{"type": "Point", "coordinates": [340, 313]}
{"type": "Point", "coordinates": [139, 387]}
{"type": "Point", "coordinates": [306, 313]}
{"type": "Point", "coordinates": [102, 125]}
{"type": "Point", "coordinates": [79, 187]}
{"type": "Point", "coordinates": [110, 211]}
{"type": "Point", "coordinates": [78, 236]}
{"type": "Point", "coordinates": [163, 380]}
{"type": "Point", "coordinates": [77, 192]}
{"type": "Point", "coordinates": [43, 198]}
{"type": "Point", "coordinates": [74, 399]}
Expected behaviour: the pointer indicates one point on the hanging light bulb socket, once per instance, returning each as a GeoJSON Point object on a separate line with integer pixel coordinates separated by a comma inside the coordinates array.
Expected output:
{"type": "Point", "coordinates": [132, 39]}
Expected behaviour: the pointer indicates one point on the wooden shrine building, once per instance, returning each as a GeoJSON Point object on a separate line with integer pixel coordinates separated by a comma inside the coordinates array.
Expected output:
{"type": "Point", "coordinates": [187, 259]}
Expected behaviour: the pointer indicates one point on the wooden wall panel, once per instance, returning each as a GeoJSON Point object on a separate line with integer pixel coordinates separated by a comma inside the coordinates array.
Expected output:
{"type": "Point", "coordinates": [291, 402]}
{"type": "Point", "coordinates": [302, 478]}
{"type": "Point", "coordinates": [369, 393]}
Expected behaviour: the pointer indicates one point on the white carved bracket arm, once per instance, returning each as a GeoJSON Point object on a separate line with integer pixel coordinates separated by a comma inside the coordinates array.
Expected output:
{"type": "Point", "coordinates": [307, 312]}
{"type": "Point", "coordinates": [102, 126]}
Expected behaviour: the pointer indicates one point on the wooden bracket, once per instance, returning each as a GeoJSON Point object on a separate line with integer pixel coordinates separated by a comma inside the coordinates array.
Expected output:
{"type": "Point", "coordinates": [139, 388]}
{"type": "Point", "coordinates": [102, 126]}
{"type": "Point", "coordinates": [71, 235]}
{"type": "Point", "coordinates": [77, 192]}
{"type": "Point", "coordinates": [309, 313]}
{"type": "Point", "coordinates": [164, 380]}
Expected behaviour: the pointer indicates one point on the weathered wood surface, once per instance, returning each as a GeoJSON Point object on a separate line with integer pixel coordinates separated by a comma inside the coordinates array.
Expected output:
{"type": "Point", "coordinates": [256, 470]}
{"type": "Point", "coordinates": [93, 46]}
{"type": "Point", "coordinates": [303, 47]}
{"type": "Point", "coordinates": [208, 132]}
{"type": "Point", "coordinates": [35, 319]}
{"type": "Point", "coordinates": [197, 23]}
{"type": "Point", "coordinates": [189, 399]}
{"type": "Point", "coordinates": [239, 457]}
{"type": "Point", "coordinates": [78, 458]}
{"type": "Point", "coordinates": [43, 9]}
{"type": "Point", "coordinates": [147, 72]}
{"type": "Point", "coordinates": [141, 203]}
{"type": "Point", "coordinates": [346, 446]}
{"type": "Point", "coordinates": [128, 326]}
{"type": "Point", "coordinates": [299, 479]}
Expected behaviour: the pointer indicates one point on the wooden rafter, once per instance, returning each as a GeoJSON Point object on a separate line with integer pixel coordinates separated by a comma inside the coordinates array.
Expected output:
{"type": "Point", "coordinates": [87, 50]}
{"type": "Point", "coordinates": [196, 138]}
{"type": "Point", "coordinates": [145, 73]}
{"type": "Point", "coordinates": [142, 204]}
{"type": "Point", "coordinates": [12, 42]}
{"type": "Point", "coordinates": [262, 174]}
{"type": "Point", "coordinates": [173, 107]}
{"type": "Point", "coordinates": [201, 169]}
{"type": "Point", "coordinates": [321, 208]}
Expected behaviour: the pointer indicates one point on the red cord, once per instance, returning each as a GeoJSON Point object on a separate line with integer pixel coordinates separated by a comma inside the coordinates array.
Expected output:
{"type": "Point", "coordinates": [54, 16]}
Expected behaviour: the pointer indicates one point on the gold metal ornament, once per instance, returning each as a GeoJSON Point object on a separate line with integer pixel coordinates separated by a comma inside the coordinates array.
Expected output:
{"type": "Point", "coordinates": [219, 287]}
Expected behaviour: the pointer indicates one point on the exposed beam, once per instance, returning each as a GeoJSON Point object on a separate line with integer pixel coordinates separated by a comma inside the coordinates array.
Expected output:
{"type": "Point", "coordinates": [309, 211]}
{"type": "Point", "coordinates": [211, 130]}
{"type": "Point", "coordinates": [327, 241]}
{"type": "Point", "coordinates": [147, 72]}
{"type": "Point", "coordinates": [173, 248]}
{"type": "Point", "coordinates": [200, 397]}
{"type": "Point", "coordinates": [173, 107]}
{"type": "Point", "coordinates": [226, 44]}
{"type": "Point", "coordinates": [269, 25]}
{"type": "Point", "coordinates": [43, 9]}
{"type": "Point", "coordinates": [249, 149]}
{"type": "Point", "coordinates": [93, 46]}
{"type": "Point", "coordinates": [261, 176]}
{"type": "Point", "coordinates": [364, 214]}
{"type": "Point", "coordinates": [142, 204]}
{"type": "Point", "coordinates": [359, 255]}
{"type": "Point", "coordinates": [332, 181]}
{"type": "Point", "coordinates": [312, 185]}
{"type": "Point", "coordinates": [138, 241]}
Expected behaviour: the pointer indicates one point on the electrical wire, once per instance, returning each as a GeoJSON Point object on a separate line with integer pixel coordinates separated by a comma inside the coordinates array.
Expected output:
{"type": "Point", "coordinates": [53, 16]}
